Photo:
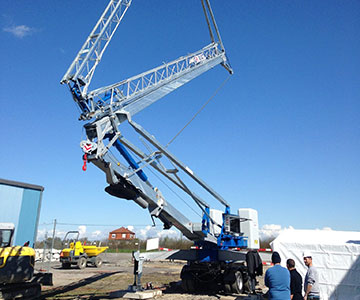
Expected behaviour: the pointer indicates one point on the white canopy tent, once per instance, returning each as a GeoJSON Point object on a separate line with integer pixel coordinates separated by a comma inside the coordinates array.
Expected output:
{"type": "Point", "coordinates": [336, 255]}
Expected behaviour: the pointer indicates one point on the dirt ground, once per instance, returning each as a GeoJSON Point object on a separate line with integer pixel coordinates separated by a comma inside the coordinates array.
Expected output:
{"type": "Point", "coordinates": [112, 279]}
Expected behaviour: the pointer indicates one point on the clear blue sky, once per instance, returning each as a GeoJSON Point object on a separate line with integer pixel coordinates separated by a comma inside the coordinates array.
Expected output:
{"type": "Point", "coordinates": [282, 136]}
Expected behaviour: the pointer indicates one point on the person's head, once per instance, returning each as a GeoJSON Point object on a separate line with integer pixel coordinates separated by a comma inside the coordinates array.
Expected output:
{"type": "Point", "coordinates": [275, 258]}
{"type": "Point", "coordinates": [307, 258]}
{"type": "Point", "coordinates": [290, 263]}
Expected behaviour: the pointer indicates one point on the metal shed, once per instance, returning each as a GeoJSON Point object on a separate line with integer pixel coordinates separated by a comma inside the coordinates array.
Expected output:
{"type": "Point", "coordinates": [20, 204]}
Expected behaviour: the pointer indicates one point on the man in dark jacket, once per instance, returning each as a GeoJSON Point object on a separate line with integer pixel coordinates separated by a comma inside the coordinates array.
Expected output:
{"type": "Point", "coordinates": [255, 267]}
{"type": "Point", "coordinates": [295, 281]}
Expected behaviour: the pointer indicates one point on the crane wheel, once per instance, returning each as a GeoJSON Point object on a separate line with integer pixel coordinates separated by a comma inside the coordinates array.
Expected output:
{"type": "Point", "coordinates": [81, 263]}
{"type": "Point", "coordinates": [247, 286]}
{"type": "Point", "coordinates": [238, 285]}
{"type": "Point", "coordinates": [188, 285]}
{"type": "Point", "coordinates": [98, 262]}
{"type": "Point", "coordinates": [227, 288]}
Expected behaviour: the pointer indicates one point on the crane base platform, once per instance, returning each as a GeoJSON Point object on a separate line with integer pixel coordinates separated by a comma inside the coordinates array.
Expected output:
{"type": "Point", "coordinates": [143, 295]}
{"type": "Point", "coordinates": [148, 294]}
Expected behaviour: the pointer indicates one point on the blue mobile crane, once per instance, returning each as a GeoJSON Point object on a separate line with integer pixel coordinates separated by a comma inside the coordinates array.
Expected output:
{"type": "Point", "coordinates": [217, 257]}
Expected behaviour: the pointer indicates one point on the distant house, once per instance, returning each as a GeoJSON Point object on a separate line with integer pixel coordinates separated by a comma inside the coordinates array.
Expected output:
{"type": "Point", "coordinates": [121, 234]}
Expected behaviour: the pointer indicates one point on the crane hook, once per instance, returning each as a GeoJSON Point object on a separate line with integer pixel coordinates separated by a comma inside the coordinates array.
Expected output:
{"type": "Point", "coordinates": [85, 160]}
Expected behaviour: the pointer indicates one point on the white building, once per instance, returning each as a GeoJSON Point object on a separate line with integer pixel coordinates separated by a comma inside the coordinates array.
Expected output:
{"type": "Point", "coordinates": [336, 255]}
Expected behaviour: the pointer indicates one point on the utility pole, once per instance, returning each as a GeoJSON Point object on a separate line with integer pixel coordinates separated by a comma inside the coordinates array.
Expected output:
{"type": "Point", "coordinates": [45, 241]}
{"type": "Point", "coordinates": [52, 245]}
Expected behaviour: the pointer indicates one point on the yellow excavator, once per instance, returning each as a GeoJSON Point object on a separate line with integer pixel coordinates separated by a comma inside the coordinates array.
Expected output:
{"type": "Point", "coordinates": [16, 267]}
{"type": "Point", "coordinates": [79, 254]}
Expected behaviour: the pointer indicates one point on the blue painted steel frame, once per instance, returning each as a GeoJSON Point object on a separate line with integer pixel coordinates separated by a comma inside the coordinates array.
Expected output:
{"type": "Point", "coordinates": [120, 147]}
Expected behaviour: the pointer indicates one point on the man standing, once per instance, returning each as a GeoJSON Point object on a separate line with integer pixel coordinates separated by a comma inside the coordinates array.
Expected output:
{"type": "Point", "coordinates": [295, 281]}
{"type": "Point", "coordinates": [311, 282]}
{"type": "Point", "coordinates": [277, 279]}
{"type": "Point", "coordinates": [254, 266]}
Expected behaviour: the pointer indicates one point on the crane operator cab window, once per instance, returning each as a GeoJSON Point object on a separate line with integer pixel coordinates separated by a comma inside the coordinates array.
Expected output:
{"type": "Point", "coordinates": [232, 225]}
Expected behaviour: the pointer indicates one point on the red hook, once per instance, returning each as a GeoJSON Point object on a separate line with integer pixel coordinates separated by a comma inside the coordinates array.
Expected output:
{"type": "Point", "coordinates": [85, 160]}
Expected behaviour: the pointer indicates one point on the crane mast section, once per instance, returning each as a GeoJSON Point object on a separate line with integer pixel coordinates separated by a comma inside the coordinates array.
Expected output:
{"type": "Point", "coordinates": [148, 197]}
{"type": "Point", "coordinates": [82, 68]}
{"type": "Point", "coordinates": [128, 183]}
{"type": "Point", "coordinates": [138, 92]}
{"type": "Point", "coordinates": [177, 162]}
{"type": "Point", "coordinates": [150, 160]}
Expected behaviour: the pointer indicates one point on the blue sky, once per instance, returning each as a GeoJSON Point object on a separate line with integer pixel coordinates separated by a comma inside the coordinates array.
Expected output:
{"type": "Point", "coordinates": [282, 136]}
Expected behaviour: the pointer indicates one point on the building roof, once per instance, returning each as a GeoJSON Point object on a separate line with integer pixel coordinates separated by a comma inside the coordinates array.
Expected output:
{"type": "Point", "coordinates": [319, 236]}
{"type": "Point", "coordinates": [122, 230]}
{"type": "Point", "coordinates": [21, 184]}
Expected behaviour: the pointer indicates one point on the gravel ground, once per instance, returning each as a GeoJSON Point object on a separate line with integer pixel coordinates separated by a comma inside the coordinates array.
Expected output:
{"type": "Point", "coordinates": [114, 277]}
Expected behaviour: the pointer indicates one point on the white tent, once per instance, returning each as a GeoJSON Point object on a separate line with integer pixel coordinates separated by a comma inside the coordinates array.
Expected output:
{"type": "Point", "coordinates": [336, 255]}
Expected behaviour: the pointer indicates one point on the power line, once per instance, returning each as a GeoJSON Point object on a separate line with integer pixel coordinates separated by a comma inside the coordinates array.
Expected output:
{"type": "Point", "coordinates": [176, 194]}
{"type": "Point", "coordinates": [199, 111]}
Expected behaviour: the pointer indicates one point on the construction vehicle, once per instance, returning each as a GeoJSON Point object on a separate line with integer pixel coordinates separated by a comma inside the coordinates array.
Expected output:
{"type": "Point", "coordinates": [17, 277]}
{"type": "Point", "coordinates": [78, 253]}
{"type": "Point", "coordinates": [218, 237]}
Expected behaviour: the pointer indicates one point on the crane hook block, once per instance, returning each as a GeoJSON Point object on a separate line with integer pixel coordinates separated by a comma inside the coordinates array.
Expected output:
{"type": "Point", "coordinates": [85, 161]}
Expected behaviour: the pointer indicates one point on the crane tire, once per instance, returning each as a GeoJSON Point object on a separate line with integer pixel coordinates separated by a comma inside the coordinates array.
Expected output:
{"type": "Point", "coordinates": [238, 285]}
{"type": "Point", "coordinates": [227, 288]}
{"type": "Point", "coordinates": [188, 285]}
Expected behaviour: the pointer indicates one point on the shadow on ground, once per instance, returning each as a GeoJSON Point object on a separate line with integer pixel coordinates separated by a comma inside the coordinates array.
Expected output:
{"type": "Point", "coordinates": [56, 292]}
{"type": "Point", "coordinates": [175, 288]}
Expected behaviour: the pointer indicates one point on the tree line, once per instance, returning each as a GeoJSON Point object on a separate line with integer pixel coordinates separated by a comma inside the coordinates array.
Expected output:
{"type": "Point", "coordinates": [129, 245]}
